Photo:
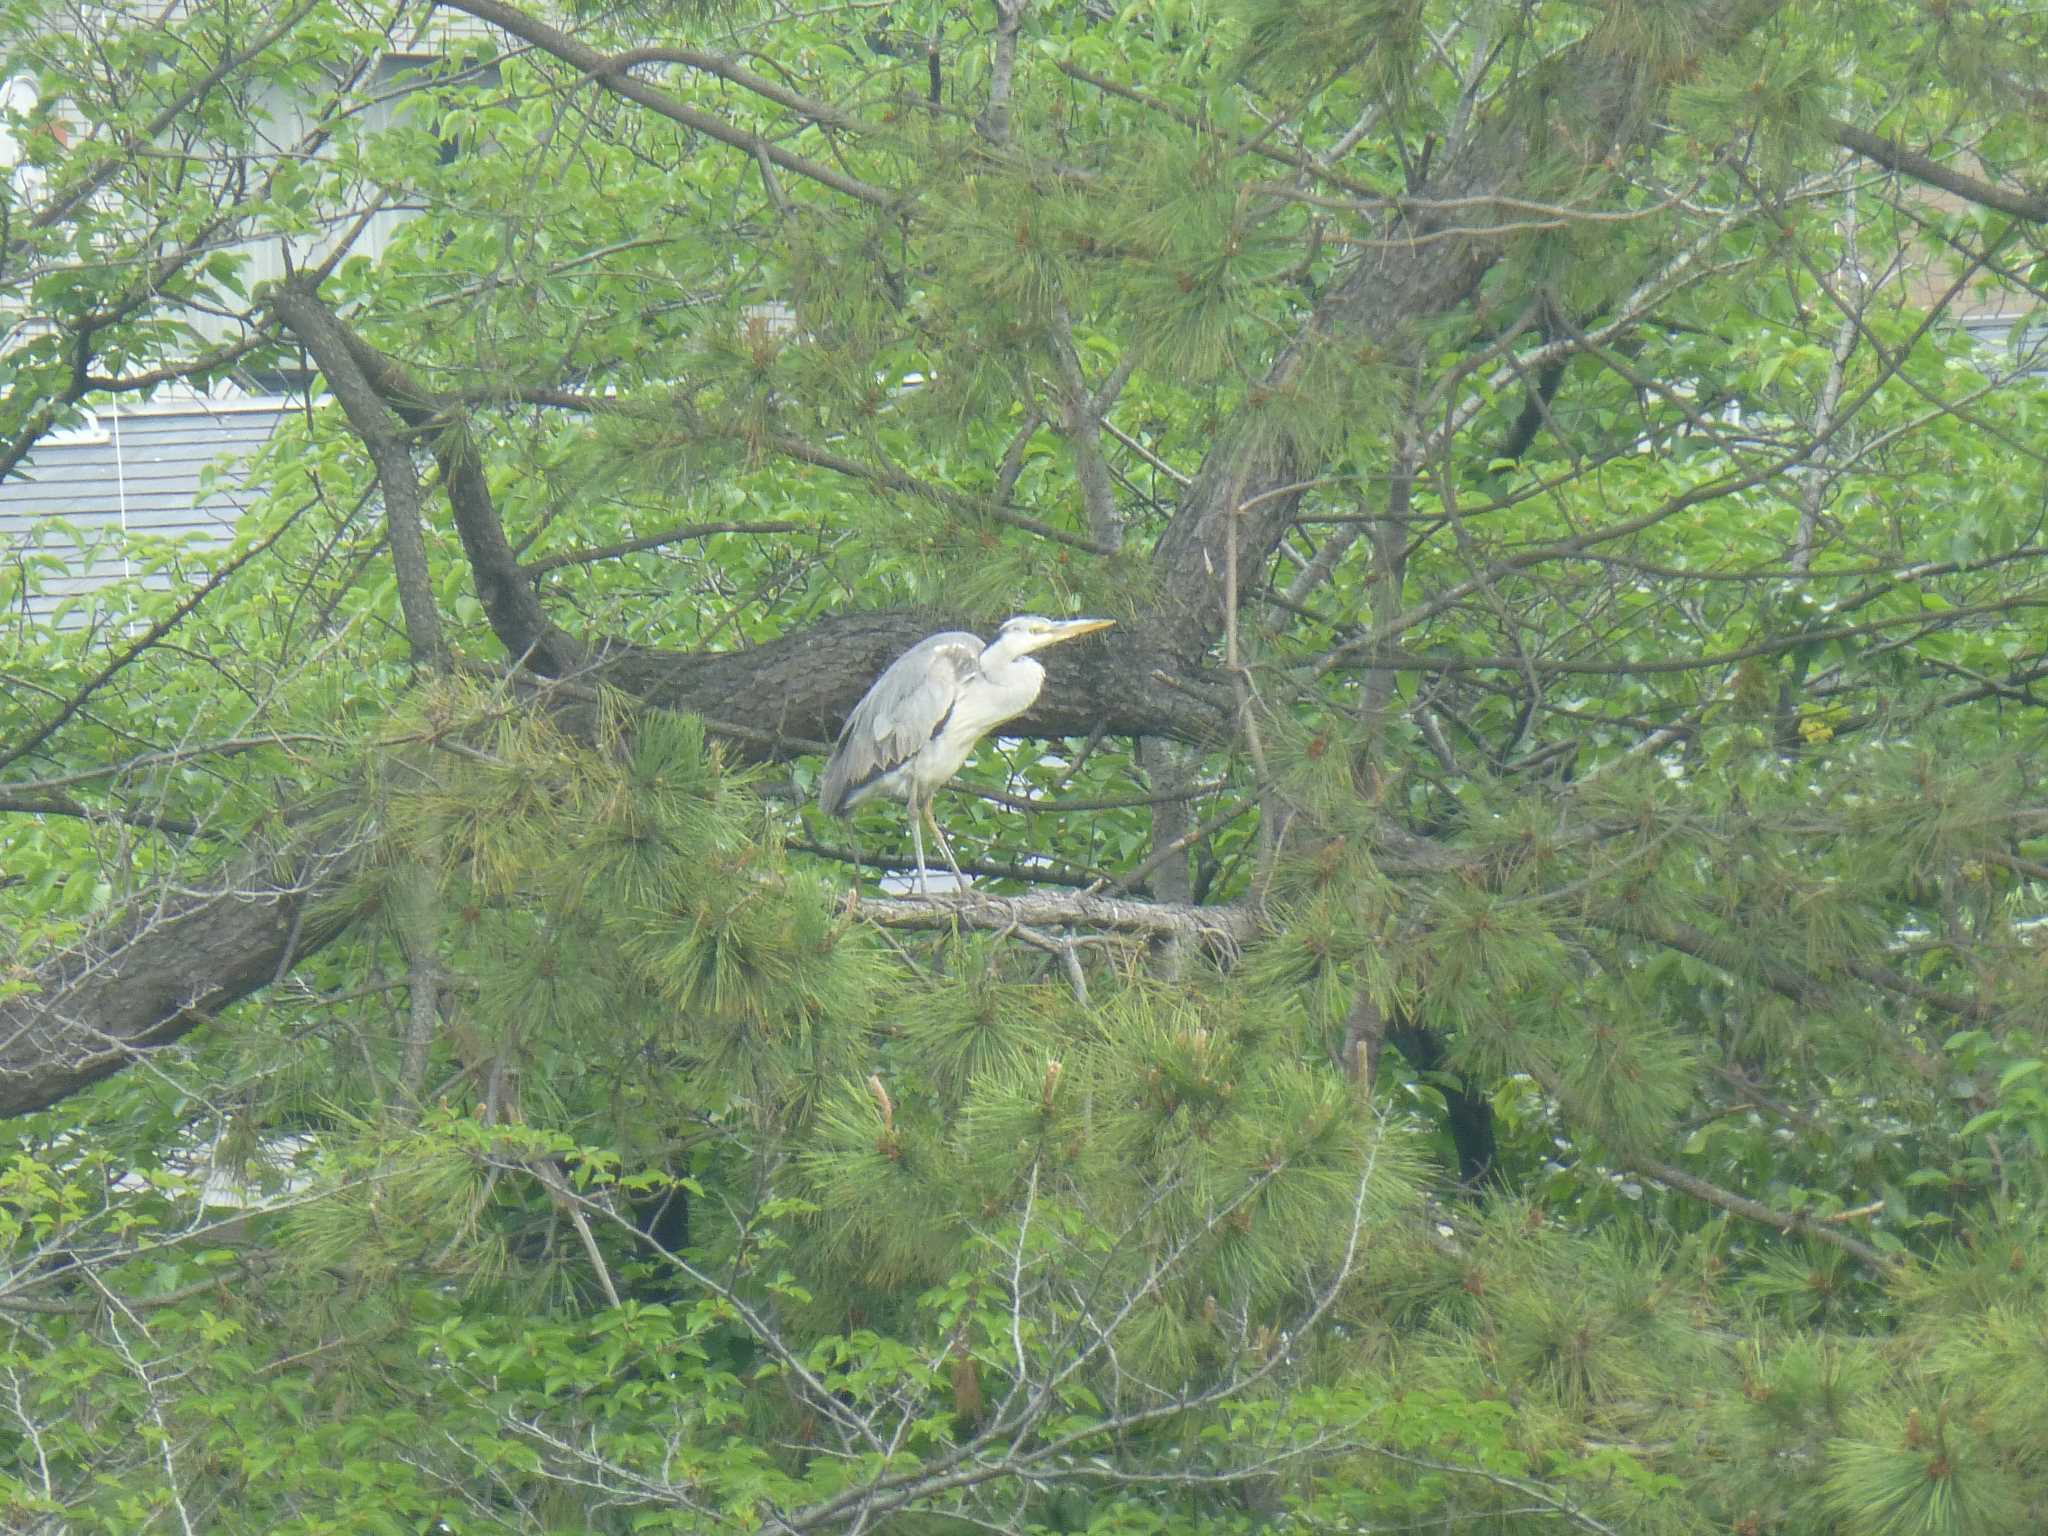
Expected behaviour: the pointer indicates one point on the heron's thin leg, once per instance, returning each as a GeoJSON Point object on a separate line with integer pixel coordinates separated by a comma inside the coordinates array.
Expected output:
{"type": "Point", "coordinates": [945, 847]}
{"type": "Point", "coordinates": [924, 885]}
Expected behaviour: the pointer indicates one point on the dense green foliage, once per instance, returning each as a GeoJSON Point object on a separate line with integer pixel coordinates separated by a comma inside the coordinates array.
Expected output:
{"type": "Point", "coordinates": [1593, 584]}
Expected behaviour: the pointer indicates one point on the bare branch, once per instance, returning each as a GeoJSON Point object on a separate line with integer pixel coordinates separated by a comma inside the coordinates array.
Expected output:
{"type": "Point", "coordinates": [654, 541]}
{"type": "Point", "coordinates": [1228, 924]}
{"type": "Point", "coordinates": [1791, 1223]}
{"type": "Point", "coordinates": [10, 754]}
{"type": "Point", "coordinates": [614, 76]}
{"type": "Point", "coordinates": [1081, 413]}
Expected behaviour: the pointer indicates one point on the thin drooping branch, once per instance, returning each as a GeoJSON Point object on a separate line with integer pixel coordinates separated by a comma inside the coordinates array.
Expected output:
{"type": "Point", "coordinates": [1791, 1223]}
{"type": "Point", "coordinates": [1917, 626]}
{"type": "Point", "coordinates": [896, 480]}
{"type": "Point", "coordinates": [564, 1199]}
{"type": "Point", "coordinates": [1306, 164]}
{"type": "Point", "coordinates": [887, 477]}
{"type": "Point", "coordinates": [14, 752]}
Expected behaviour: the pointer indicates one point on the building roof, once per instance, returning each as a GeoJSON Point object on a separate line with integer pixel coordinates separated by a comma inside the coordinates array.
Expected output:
{"type": "Point", "coordinates": [72, 513]}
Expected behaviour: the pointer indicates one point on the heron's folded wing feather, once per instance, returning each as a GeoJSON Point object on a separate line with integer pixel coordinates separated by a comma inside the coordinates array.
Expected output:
{"type": "Point", "coordinates": [907, 705]}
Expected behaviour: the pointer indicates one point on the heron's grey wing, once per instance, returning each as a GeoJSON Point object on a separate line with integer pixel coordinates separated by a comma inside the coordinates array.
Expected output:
{"type": "Point", "coordinates": [907, 706]}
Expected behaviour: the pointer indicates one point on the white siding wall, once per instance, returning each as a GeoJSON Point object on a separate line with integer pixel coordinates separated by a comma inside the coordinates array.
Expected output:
{"type": "Point", "coordinates": [85, 499]}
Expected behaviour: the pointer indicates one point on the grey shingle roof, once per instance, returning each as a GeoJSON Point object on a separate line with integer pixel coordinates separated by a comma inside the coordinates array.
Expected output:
{"type": "Point", "coordinates": [131, 473]}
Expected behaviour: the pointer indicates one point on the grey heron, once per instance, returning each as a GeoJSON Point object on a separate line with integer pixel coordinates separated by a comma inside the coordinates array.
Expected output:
{"type": "Point", "coordinates": [921, 719]}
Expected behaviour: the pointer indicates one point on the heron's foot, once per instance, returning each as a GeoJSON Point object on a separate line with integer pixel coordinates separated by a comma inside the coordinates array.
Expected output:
{"type": "Point", "coordinates": [960, 880]}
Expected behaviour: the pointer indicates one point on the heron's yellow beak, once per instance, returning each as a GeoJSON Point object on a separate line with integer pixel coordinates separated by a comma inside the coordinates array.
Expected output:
{"type": "Point", "coordinates": [1074, 629]}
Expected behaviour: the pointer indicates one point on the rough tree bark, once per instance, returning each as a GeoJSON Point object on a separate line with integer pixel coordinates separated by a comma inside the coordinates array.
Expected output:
{"type": "Point", "coordinates": [164, 968]}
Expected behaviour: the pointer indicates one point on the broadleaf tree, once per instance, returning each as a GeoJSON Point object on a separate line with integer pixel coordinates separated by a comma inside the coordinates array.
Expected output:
{"type": "Point", "coordinates": [1501, 995]}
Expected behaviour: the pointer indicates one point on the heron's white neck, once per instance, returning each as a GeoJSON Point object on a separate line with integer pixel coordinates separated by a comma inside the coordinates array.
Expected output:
{"type": "Point", "coordinates": [1004, 662]}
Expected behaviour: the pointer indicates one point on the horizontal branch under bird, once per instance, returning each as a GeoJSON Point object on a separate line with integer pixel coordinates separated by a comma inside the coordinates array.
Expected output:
{"type": "Point", "coordinates": [1233, 924]}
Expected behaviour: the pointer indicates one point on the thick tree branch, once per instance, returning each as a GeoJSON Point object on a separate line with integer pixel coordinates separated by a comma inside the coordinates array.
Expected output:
{"type": "Point", "coordinates": [390, 450]}
{"type": "Point", "coordinates": [506, 590]}
{"type": "Point", "coordinates": [796, 690]}
{"type": "Point", "coordinates": [995, 120]}
{"type": "Point", "coordinates": [1894, 156]}
{"type": "Point", "coordinates": [155, 974]}
{"type": "Point", "coordinates": [801, 686]}
{"type": "Point", "coordinates": [158, 972]}
{"type": "Point", "coordinates": [166, 967]}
